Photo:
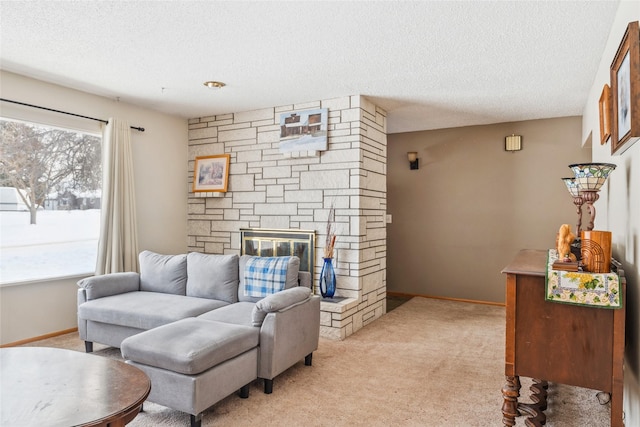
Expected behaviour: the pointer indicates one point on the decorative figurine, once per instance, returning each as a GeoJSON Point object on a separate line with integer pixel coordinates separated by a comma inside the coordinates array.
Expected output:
{"type": "Point", "coordinates": [563, 243]}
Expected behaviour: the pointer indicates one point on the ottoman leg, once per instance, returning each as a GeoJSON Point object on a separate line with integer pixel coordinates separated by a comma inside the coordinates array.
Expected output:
{"type": "Point", "coordinates": [307, 359]}
{"type": "Point", "coordinates": [88, 347]}
{"type": "Point", "coordinates": [268, 386]}
{"type": "Point", "coordinates": [196, 420]}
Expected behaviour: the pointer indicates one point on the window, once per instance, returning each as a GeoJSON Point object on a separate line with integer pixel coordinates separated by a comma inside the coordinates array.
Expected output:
{"type": "Point", "coordinates": [50, 194]}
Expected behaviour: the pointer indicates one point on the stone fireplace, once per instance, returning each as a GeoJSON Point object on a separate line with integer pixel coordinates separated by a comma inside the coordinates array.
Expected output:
{"type": "Point", "coordinates": [271, 190]}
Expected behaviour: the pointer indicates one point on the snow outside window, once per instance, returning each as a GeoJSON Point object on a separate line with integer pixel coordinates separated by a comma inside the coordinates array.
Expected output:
{"type": "Point", "coordinates": [50, 188]}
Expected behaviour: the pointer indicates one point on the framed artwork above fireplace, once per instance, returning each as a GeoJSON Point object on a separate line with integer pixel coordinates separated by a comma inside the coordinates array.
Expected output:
{"type": "Point", "coordinates": [304, 130]}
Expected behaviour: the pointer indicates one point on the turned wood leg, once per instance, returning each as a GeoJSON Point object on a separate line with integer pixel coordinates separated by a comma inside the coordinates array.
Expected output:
{"type": "Point", "coordinates": [308, 358]}
{"type": "Point", "coordinates": [539, 393]}
{"type": "Point", "coordinates": [268, 386]}
{"type": "Point", "coordinates": [534, 410]}
{"type": "Point", "coordinates": [510, 393]}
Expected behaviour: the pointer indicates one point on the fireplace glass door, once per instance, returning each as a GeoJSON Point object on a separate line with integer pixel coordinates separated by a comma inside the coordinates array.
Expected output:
{"type": "Point", "coordinates": [264, 242]}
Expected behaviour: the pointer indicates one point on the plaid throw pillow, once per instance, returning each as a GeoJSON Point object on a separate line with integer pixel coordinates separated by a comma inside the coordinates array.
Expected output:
{"type": "Point", "coordinates": [265, 275]}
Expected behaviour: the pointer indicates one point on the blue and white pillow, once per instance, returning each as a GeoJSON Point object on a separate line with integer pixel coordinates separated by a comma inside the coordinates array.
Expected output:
{"type": "Point", "coordinates": [262, 276]}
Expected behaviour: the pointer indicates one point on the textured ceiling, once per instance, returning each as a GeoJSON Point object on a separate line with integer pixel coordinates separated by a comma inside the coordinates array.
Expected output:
{"type": "Point", "coordinates": [430, 65]}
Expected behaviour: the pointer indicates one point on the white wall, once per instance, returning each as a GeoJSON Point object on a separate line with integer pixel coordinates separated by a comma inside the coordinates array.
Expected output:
{"type": "Point", "coordinates": [160, 164]}
{"type": "Point", "coordinates": [618, 209]}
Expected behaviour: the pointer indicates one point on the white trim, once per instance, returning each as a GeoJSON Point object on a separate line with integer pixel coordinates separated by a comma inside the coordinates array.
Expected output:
{"type": "Point", "coordinates": [45, 280]}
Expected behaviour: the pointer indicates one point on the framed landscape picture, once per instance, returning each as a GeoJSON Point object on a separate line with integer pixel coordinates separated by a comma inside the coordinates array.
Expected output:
{"type": "Point", "coordinates": [304, 130]}
{"type": "Point", "coordinates": [625, 91]}
{"type": "Point", "coordinates": [211, 173]}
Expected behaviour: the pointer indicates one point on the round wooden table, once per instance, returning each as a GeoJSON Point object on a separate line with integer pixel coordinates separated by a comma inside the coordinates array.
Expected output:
{"type": "Point", "coordinates": [55, 387]}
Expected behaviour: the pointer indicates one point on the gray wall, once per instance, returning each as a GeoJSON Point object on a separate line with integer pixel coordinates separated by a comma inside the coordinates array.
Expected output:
{"type": "Point", "coordinates": [460, 218]}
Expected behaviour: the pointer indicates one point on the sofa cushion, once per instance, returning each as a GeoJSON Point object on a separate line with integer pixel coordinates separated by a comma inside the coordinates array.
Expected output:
{"type": "Point", "coordinates": [163, 273]}
{"type": "Point", "coordinates": [189, 346]}
{"type": "Point", "coordinates": [277, 302]}
{"type": "Point", "coordinates": [293, 266]}
{"type": "Point", "coordinates": [145, 310]}
{"type": "Point", "coordinates": [238, 314]}
{"type": "Point", "coordinates": [212, 276]}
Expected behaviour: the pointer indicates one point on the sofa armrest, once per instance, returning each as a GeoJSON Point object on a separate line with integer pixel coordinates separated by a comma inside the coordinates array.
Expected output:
{"type": "Point", "coordinates": [289, 335]}
{"type": "Point", "coordinates": [95, 287]}
{"type": "Point", "coordinates": [279, 301]}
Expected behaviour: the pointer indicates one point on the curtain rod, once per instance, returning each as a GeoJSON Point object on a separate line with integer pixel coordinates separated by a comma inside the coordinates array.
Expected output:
{"type": "Point", "coordinates": [141, 129]}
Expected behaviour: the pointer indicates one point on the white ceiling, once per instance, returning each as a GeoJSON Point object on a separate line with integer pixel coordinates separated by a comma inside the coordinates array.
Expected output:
{"type": "Point", "coordinates": [430, 65]}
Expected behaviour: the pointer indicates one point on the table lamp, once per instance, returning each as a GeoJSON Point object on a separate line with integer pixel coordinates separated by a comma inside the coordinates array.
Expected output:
{"type": "Point", "coordinates": [589, 178]}
{"type": "Point", "coordinates": [572, 186]}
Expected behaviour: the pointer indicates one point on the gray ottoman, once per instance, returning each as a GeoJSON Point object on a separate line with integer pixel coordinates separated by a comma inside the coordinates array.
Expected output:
{"type": "Point", "coordinates": [194, 363]}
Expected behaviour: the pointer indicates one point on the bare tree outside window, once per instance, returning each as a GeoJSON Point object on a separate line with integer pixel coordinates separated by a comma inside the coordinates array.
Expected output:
{"type": "Point", "coordinates": [50, 199]}
{"type": "Point", "coordinates": [46, 163]}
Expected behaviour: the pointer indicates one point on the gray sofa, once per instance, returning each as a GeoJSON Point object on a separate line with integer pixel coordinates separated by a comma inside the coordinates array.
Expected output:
{"type": "Point", "coordinates": [170, 288]}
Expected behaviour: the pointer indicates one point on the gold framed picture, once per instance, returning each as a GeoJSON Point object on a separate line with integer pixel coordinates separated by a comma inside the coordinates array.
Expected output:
{"type": "Point", "coordinates": [605, 114]}
{"type": "Point", "coordinates": [211, 173]}
{"type": "Point", "coordinates": [625, 91]}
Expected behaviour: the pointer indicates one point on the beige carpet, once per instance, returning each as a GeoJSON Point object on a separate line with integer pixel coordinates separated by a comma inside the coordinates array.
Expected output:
{"type": "Point", "coordinates": [426, 363]}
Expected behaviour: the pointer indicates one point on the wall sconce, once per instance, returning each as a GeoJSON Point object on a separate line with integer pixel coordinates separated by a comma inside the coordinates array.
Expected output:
{"type": "Point", "coordinates": [513, 143]}
{"type": "Point", "coordinates": [413, 160]}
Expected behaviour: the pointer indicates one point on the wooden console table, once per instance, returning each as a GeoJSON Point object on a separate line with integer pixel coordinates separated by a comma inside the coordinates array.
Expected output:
{"type": "Point", "coordinates": [563, 343]}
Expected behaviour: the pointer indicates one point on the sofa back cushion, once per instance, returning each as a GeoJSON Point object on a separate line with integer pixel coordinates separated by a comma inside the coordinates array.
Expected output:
{"type": "Point", "coordinates": [212, 276]}
{"type": "Point", "coordinates": [163, 273]}
{"type": "Point", "coordinates": [291, 278]}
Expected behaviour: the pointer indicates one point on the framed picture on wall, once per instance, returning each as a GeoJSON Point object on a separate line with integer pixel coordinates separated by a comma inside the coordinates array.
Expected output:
{"type": "Point", "coordinates": [211, 173]}
{"type": "Point", "coordinates": [304, 130]}
{"type": "Point", "coordinates": [625, 91]}
{"type": "Point", "coordinates": [605, 114]}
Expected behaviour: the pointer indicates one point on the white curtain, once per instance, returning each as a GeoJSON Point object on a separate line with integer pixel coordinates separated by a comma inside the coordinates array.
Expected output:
{"type": "Point", "coordinates": [118, 244]}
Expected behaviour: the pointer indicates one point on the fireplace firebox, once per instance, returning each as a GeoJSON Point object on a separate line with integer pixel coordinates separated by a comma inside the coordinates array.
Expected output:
{"type": "Point", "coordinates": [275, 242]}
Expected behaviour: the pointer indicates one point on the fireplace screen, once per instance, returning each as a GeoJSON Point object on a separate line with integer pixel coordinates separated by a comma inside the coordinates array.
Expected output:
{"type": "Point", "coordinates": [264, 242]}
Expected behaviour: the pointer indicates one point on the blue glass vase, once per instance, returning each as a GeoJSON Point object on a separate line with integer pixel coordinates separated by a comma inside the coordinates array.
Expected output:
{"type": "Point", "coordinates": [327, 279]}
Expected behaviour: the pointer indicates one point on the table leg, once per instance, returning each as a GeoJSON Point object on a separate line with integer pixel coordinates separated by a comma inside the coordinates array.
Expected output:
{"type": "Point", "coordinates": [539, 393]}
{"type": "Point", "coordinates": [510, 393]}
{"type": "Point", "coordinates": [534, 410]}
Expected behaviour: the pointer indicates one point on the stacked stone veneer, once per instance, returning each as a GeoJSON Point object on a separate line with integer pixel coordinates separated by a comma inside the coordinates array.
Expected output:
{"type": "Point", "coordinates": [268, 189]}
